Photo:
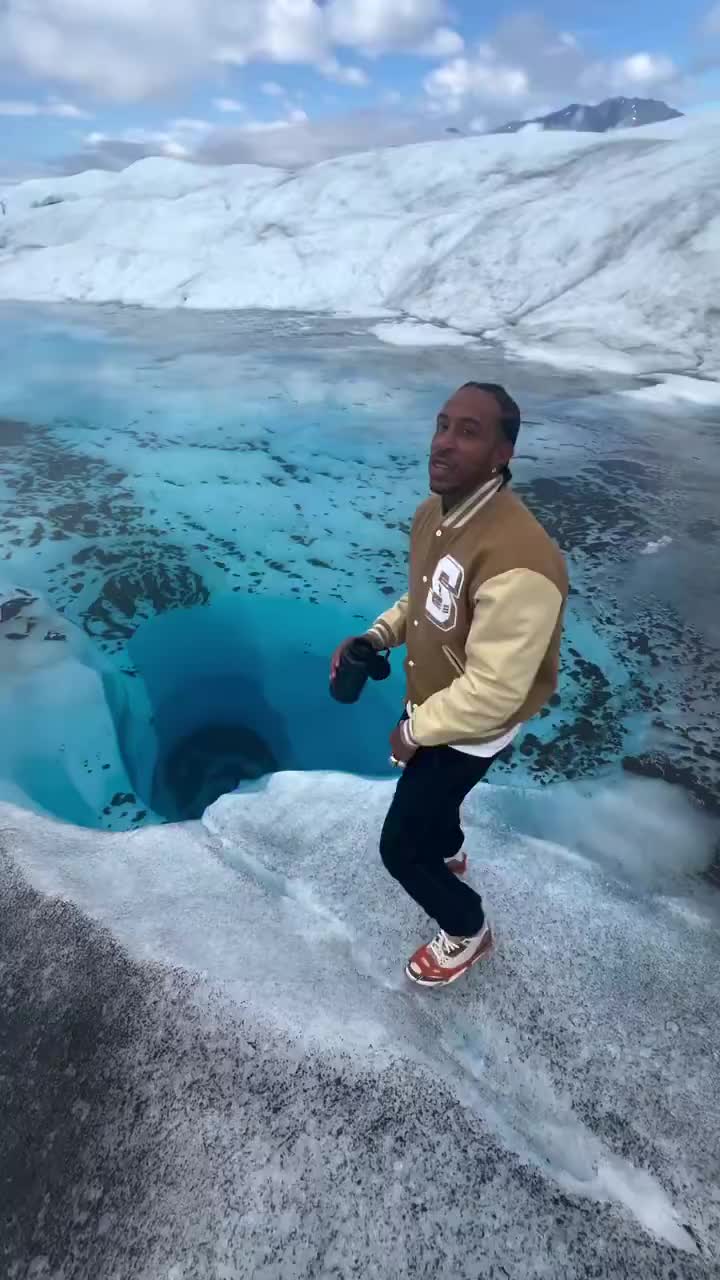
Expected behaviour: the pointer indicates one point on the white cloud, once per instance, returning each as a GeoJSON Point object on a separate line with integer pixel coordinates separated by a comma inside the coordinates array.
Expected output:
{"type": "Point", "coordinates": [643, 70]}
{"type": "Point", "coordinates": [483, 78]}
{"type": "Point", "coordinates": [187, 138]}
{"type": "Point", "coordinates": [265, 126]}
{"type": "Point", "coordinates": [528, 68]}
{"type": "Point", "coordinates": [177, 150]}
{"type": "Point", "coordinates": [67, 111]}
{"type": "Point", "coordinates": [637, 74]}
{"type": "Point", "coordinates": [315, 140]}
{"type": "Point", "coordinates": [189, 125]}
{"type": "Point", "coordinates": [180, 139]}
{"type": "Point", "coordinates": [287, 142]}
{"type": "Point", "coordinates": [381, 25]}
{"type": "Point", "coordinates": [136, 142]}
{"type": "Point", "coordinates": [355, 77]}
{"type": "Point", "coordinates": [282, 31]}
{"type": "Point", "coordinates": [228, 105]}
{"type": "Point", "coordinates": [129, 49]}
{"type": "Point", "coordinates": [442, 43]}
{"type": "Point", "coordinates": [118, 48]}
{"type": "Point", "coordinates": [272, 89]}
{"type": "Point", "coordinates": [53, 107]}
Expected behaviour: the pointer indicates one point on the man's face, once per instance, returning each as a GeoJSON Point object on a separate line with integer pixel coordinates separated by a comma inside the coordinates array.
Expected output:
{"type": "Point", "coordinates": [468, 444]}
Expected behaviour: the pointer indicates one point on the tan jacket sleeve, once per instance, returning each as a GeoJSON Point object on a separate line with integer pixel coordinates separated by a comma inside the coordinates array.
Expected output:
{"type": "Point", "coordinates": [514, 617]}
{"type": "Point", "coordinates": [389, 630]}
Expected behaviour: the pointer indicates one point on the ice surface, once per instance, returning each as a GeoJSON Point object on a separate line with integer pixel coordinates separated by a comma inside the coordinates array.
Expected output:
{"type": "Point", "coordinates": [410, 333]}
{"type": "Point", "coordinates": [211, 1067]}
{"type": "Point", "coordinates": [652, 548]}
{"type": "Point", "coordinates": [584, 249]}
{"type": "Point", "coordinates": [59, 750]}
{"type": "Point", "coordinates": [207, 504]}
{"type": "Point", "coordinates": [277, 1110]}
{"type": "Point", "coordinates": [674, 389]}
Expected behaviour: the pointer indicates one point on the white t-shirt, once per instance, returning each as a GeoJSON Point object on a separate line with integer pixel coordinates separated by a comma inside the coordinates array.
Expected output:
{"type": "Point", "coordinates": [486, 750]}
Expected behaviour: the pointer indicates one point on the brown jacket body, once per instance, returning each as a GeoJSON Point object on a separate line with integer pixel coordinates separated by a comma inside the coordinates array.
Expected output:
{"type": "Point", "coordinates": [482, 619]}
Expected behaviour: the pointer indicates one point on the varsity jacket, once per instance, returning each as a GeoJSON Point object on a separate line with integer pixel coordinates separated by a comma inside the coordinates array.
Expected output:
{"type": "Point", "coordinates": [482, 618]}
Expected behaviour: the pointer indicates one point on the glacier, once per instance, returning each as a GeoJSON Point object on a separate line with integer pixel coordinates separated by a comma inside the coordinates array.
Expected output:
{"type": "Point", "coordinates": [211, 1066]}
{"type": "Point", "coordinates": [592, 250]}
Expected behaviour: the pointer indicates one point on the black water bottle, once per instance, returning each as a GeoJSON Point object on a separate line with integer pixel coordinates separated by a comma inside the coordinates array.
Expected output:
{"type": "Point", "coordinates": [359, 663]}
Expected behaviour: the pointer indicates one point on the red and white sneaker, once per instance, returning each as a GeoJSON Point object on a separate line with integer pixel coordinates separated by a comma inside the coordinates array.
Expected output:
{"type": "Point", "coordinates": [446, 959]}
{"type": "Point", "coordinates": [458, 865]}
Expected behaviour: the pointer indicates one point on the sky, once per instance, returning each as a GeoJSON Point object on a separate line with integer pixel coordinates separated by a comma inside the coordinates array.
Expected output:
{"type": "Point", "coordinates": [100, 83]}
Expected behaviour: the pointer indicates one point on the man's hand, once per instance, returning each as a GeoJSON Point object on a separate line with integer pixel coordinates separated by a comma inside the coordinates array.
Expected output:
{"type": "Point", "coordinates": [338, 655]}
{"type": "Point", "coordinates": [401, 743]}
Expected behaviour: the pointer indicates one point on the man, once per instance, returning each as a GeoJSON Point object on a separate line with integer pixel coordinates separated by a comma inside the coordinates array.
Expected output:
{"type": "Point", "coordinates": [482, 622]}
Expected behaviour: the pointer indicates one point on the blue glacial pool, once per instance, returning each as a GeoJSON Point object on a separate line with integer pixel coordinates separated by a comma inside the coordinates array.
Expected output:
{"type": "Point", "coordinates": [194, 509]}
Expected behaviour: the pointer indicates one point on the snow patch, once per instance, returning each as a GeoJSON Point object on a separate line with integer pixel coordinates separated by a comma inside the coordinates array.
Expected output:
{"type": "Point", "coordinates": [411, 333]}
{"type": "Point", "coordinates": [652, 548]}
{"type": "Point", "coordinates": [674, 389]}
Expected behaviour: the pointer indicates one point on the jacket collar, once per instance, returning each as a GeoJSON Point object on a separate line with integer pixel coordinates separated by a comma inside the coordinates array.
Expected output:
{"type": "Point", "coordinates": [466, 510]}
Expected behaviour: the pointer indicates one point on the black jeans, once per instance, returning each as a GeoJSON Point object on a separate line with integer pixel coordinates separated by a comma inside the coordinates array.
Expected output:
{"type": "Point", "coordinates": [422, 829]}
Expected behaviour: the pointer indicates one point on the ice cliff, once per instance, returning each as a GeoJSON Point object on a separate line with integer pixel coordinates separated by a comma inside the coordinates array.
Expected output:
{"type": "Point", "coordinates": [602, 250]}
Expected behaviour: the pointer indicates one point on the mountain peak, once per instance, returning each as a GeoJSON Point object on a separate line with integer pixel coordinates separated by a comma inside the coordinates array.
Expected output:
{"type": "Point", "coordinates": [613, 113]}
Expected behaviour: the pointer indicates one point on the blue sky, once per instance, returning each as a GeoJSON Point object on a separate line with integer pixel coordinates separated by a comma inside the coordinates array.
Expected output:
{"type": "Point", "coordinates": [86, 82]}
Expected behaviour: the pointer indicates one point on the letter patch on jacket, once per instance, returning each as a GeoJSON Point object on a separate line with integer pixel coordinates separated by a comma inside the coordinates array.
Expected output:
{"type": "Point", "coordinates": [442, 598]}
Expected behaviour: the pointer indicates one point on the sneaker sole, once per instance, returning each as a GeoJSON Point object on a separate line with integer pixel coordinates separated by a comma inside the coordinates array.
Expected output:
{"type": "Point", "coordinates": [460, 870]}
{"type": "Point", "coordinates": [446, 982]}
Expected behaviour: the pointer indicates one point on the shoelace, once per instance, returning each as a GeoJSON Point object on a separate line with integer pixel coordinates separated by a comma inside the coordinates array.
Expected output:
{"type": "Point", "coordinates": [443, 949]}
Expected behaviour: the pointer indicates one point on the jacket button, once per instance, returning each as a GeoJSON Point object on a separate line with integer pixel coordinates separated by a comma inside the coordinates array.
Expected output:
{"type": "Point", "coordinates": [438, 533]}
{"type": "Point", "coordinates": [416, 623]}
{"type": "Point", "coordinates": [411, 663]}
{"type": "Point", "coordinates": [424, 579]}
